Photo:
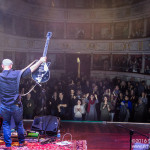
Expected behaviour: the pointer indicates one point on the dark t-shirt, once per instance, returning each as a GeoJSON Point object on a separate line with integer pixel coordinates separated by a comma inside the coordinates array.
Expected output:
{"type": "Point", "coordinates": [63, 109]}
{"type": "Point", "coordinates": [9, 85]}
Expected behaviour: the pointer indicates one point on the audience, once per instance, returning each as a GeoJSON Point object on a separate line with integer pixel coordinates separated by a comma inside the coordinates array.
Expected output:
{"type": "Point", "coordinates": [73, 98]}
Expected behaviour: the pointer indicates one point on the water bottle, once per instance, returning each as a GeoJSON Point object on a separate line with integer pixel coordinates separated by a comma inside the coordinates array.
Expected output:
{"type": "Point", "coordinates": [58, 135]}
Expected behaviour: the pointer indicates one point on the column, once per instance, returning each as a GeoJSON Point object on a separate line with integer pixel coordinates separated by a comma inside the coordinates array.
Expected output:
{"type": "Point", "coordinates": [65, 30]}
{"type": "Point", "coordinates": [92, 34]}
{"type": "Point", "coordinates": [65, 62]}
{"type": "Point", "coordinates": [91, 67]}
{"type": "Point", "coordinates": [65, 4]}
{"type": "Point", "coordinates": [112, 30]}
{"type": "Point", "coordinates": [111, 61]}
{"type": "Point", "coordinates": [143, 64]}
{"type": "Point", "coordinates": [130, 29]}
{"type": "Point", "coordinates": [145, 27]}
{"type": "Point", "coordinates": [92, 4]}
{"type": "Point", "coordinates": [13, 25]}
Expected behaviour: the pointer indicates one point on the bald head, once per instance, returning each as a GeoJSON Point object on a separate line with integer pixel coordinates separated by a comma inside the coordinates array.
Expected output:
{"type": "Point", "coordinates": [7, 64]}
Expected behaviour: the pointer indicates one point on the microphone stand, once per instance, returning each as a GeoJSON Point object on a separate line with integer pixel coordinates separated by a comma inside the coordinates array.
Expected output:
{"type": "Point", "coordinates": [43, 98]}
{"type": "Point", "coordinates": [131, 132]}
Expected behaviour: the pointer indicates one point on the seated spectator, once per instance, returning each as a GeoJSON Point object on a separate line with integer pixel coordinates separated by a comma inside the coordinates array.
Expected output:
{"type": "Point", "coordinates": [105, 109]}
{"type": "Point", "coordinates": [78, 111]}
{"type": "Point", "coordinates": [91, 101]}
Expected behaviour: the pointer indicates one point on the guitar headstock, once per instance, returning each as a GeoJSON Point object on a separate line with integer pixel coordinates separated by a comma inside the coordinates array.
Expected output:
{"type": "Point", "coordinates": [49, 34]}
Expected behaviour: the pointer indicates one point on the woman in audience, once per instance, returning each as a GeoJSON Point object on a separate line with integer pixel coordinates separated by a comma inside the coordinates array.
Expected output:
{"type": "Point", "coordinates": [105, 109]}
{"type": "Point", "coordinates": [91, 101]}
{"type": "Point", "coordinates": [78, 111]}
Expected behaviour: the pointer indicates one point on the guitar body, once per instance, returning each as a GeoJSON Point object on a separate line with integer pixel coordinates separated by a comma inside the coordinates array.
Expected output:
{"type": "Point", "coordinates": [42, 73]}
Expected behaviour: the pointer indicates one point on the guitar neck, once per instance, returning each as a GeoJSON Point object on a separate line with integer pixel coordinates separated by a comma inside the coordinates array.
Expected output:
{"type": "Point", "coordinates": [49, 34]}
{"type": "Point", "coordinates": [46, 47]}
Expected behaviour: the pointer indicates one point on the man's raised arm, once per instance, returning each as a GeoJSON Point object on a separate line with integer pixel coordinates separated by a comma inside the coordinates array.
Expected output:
{"type": "Point", "coordinates": [37, 64]}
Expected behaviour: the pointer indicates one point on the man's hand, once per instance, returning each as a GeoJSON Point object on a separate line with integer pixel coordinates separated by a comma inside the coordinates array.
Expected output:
{"type": "Point", "coordinates": [43, 59]}
{"type": "Point", "coordinates": [38, 63]}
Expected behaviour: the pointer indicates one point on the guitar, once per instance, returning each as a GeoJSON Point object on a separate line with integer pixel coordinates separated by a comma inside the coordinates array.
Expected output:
{"type": "Point", "coordinates": [42, 73]}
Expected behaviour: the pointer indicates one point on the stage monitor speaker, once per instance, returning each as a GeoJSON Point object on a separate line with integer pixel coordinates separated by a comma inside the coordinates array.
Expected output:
{"type": "Point", "coordinates": [46, 123]}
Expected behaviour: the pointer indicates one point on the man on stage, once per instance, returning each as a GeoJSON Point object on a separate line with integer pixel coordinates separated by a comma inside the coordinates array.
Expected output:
{"type": "Point", "coordinates": [9, 97]}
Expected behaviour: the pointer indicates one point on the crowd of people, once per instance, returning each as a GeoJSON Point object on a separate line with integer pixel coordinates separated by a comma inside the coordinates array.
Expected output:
{"type": "Point", "coordinates": [133, 64]}
{"type": "Point", "coordinates": [80, 99]}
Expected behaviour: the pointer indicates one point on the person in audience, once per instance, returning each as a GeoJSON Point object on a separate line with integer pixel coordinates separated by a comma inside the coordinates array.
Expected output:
{"type": "Point", "coordinates": [91, 101]}
{"type": "Point", "coordinates": [62, 106]}
{"type": "Point", "coordinates": [95, 90]}
{"type": "Point", "coordinates": [72, 101]}
{"type": "Point", "coordinates": [79, 94]}
{"type": "Point", "coordinates": [105, 109]}
{"type": "Point", "coordinates": [107, 93]}
{"type": "Point", "coordinates": [147, 70]}
{"type": "Point", "coordinates": [116, 91]}
{"type": "Point", "coordinates": [134, 101]}
{"type": "Point", "coordinates": [29, 107]}
{"type": "Point", "coordinates": [86, 87]}
{"type": "Point", "coordinates": [144, 98]}
{"type": "Point", "coordinates": [139, 111]}
{"type": "Point", "coordinates": [141, 88]}
{"type": "Point", "coordinates": [126, 108]}
{"type": "Point", "coordinates": [84, 104]}
{"type": "Point", "coordinates": [78, 111]}
{"type": "Point", "coordinates": [53, 103]}
{"type": "Point", "coordinates": [113, 106]}
{"type": "Point", "coordinates": [119, 99]}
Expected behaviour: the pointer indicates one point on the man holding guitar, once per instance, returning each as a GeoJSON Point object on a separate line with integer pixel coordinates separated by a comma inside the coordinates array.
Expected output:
{"type": "Point", "coordinates": [10, 98]}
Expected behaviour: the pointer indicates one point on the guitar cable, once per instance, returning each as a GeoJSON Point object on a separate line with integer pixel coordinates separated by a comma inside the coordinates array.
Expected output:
{"type": "Point", "coordinates": [30, 90]}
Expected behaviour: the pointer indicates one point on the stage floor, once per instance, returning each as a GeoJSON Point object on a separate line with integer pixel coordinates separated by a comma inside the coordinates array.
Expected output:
{"type": "Point", "coordinates": [103, 135]}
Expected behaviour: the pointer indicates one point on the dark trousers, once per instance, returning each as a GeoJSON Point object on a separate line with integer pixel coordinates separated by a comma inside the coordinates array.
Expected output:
{"type": "Point", "coordinates": [17, 113]}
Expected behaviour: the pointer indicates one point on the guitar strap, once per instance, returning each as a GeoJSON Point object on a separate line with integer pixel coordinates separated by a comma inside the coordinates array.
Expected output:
{"type": "Point", "coordinates": [18, 81]}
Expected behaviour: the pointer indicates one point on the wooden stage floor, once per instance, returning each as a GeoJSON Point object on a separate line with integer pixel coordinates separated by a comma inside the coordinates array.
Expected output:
{"type": "Point", "coordinates": [103, 135]}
